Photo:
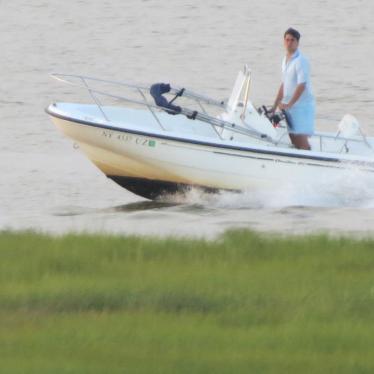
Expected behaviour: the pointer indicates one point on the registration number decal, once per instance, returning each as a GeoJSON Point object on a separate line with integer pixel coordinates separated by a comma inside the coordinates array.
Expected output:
{"type": "Point", "coordinates": [139, 140]}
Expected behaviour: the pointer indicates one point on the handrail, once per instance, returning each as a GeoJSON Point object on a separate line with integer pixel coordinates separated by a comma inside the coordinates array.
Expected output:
{"type": "Point", "coordinates": [187, 112]}
{"type": "Point", "coordinates": [174, 90]}
{"type": "Point", "coordinates": [150, 109]}
{"type": "Point", "coordinates": [247, 72]}
{"type": "Point", "coordinates": [94, 98]}
{"type": "Point", "coordinates": [201, 116]}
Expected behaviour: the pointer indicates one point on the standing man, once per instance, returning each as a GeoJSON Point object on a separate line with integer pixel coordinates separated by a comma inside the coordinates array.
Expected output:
{"type": "Point", "coordinates": [295, 93]}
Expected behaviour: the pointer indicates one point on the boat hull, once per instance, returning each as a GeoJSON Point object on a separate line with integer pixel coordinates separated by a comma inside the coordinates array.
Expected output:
{"type": "Point", "coordinates": [151, 165]}
{"type": "Point", "coordinates": [154, 189]}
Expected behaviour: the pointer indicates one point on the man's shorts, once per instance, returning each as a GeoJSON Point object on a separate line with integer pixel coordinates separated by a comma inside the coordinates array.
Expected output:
{"type": "Point", "coordinates": [302, 119]}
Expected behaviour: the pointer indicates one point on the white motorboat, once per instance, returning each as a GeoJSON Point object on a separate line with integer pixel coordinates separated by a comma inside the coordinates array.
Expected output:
{"type": "Point", "coordinates": [152, 145]}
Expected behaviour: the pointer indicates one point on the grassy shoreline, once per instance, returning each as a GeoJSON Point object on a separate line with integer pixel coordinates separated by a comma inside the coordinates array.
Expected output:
{"type": "Point", "coordinates": [242, 303]}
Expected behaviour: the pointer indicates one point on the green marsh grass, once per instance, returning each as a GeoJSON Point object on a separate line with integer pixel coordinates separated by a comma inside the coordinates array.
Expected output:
{"type": "Point", "coordinates": [244, 303]}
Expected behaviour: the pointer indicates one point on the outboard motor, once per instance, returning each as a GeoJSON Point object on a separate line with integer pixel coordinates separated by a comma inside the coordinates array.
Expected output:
{"type": "Point", "coordinates": [157, 90]}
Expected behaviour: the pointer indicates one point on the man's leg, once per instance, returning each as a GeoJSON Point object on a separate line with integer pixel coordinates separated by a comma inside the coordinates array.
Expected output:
{"type": "Point", "coordinates": [300, 141]}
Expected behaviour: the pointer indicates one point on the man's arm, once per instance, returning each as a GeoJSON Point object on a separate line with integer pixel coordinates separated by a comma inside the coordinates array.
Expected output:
{"type": "Point", "coordinates": [278, 99]}
{"type": "Point", "coordinates": [296, 96]}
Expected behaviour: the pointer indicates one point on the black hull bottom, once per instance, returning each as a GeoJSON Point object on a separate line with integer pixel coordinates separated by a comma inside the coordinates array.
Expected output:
{"type": "Point", "coordinates": [154, 189]}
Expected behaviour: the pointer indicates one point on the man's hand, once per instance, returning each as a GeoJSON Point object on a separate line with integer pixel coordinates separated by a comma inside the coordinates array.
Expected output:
{"type": "Point", "coordinates": [282, 106]}
{"type": "Point", "coordinates": [299, 90]}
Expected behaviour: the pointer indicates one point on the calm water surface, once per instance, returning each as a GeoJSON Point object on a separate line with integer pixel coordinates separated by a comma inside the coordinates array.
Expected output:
{"type": "Point", "coordinates": [48, 185]}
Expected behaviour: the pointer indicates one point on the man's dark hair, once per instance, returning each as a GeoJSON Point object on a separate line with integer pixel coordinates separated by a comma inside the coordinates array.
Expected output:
{"type": "Point", "coordinates": [293, 32]}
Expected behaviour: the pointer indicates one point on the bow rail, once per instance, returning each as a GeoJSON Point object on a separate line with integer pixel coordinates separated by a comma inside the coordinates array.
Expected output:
{"type": "Point", "coordinates": [143, 90]}
{"type": "Point", "coordinates": [86, 82]}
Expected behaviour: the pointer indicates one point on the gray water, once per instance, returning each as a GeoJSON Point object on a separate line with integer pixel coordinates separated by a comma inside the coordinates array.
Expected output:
{"type": "Point", "coordinates": [47, 185]}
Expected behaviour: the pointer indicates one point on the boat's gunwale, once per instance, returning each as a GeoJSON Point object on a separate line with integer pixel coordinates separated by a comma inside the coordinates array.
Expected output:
{"type": "Point", "coordinates": [293, 154]}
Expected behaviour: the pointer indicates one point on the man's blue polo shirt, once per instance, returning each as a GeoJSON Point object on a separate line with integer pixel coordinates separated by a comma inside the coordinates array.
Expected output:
{"type": "Point", "coordinates": [295, 72]}
{"type": "Point", "coordinates": [302, 113]}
